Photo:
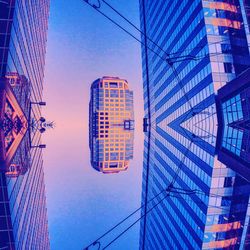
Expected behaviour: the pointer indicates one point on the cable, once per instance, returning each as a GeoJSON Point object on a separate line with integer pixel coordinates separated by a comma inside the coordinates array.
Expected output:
{"type": "Point", "coordinates": [181, 85]}
{"type": "Point", "coordinates": [168, 189]}
{"type": "Point", "coordinates": [166, 195]}
{"type": "Point", "coordinates": [130, 34]}
{"type": "Point", "coordinates": [170, 63]}
{"type": "Point", "coordinates": [213, 43]}
{"type": "Point", "coordinates": [226, 209]}
{"type": "Point", "coordinates": [196, 191]}
{"type": "Point", "coordinates": [123, 232]}
{"type": "Point", "coordinates": [126, 31]}
{"type": "Point", "coordinates": [186, 57]}
{"type": "Point", "coordinates": [190, 57]}
{"type": "Point", "coordinates": [170, 186]}
{"type": "Point", "coordinates": [168, 60]}
{"type": "Point", "coordinates": [119, 223]}
{"type": "Point", "coordinates": [134, 26]}
{"type": "Point", "coordinates": [181, 164]}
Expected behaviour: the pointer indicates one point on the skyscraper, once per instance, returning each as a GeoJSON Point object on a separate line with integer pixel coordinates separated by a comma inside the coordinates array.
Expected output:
{"type": "Point", "coordinates": [111, 125]}
{"type": "Point", "coordinates": [191, 49]}
{"type": "Point", "coordinates": [23, 213]}
{"type": "Point", "coordinates": [234, 109]}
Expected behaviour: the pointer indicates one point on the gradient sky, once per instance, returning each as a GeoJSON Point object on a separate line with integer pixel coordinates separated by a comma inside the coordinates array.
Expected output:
{"type": "Point", "coordinates": [83, 46]}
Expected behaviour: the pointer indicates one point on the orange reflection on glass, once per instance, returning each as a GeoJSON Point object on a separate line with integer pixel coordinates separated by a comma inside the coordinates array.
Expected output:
{"type": "Point", "coordinates": [225, 227]}
{"type": "Point", "coordinates": [225, 23]}
{"type": "Point", "coordinates": [223, 6]}
{"type": "Point", "coordinates": [223, 243]}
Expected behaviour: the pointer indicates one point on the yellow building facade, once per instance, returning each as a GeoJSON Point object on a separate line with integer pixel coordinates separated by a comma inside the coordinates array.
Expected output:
{"type": "Point", "coordinates": [111, 124]}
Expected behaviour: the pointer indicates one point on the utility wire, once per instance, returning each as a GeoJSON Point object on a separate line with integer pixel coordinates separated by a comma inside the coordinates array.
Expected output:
{"type": "Point", "coordinates": [119, 223]}
{"type": "Point", "coordinates": [138, 209]}
{"type": "Point", "coordinates": [167, 59]}
{"type": "Point", "coordinates": [148, 38]}
{"type": "Point", "coordinates": [138, 40]}
{"type": "Point", "coordinates": [123, 232]}
{"type": "Point", "coordinates": [168, 190]}
{"type": "Point", "coordinates": [134, 26]}
{"type": "Point", "coordinates": [180, 165]}
{"type": "Point", "coordinates": [189, 57]}
{"type": "Point", "coordinates": [118, 25]}
{"type": "Point", "coordinates": [158, 46]}
{"type": "Point", "coordinates": [168, 194]}
{"type": "Point", "coordinates": [226, 208]}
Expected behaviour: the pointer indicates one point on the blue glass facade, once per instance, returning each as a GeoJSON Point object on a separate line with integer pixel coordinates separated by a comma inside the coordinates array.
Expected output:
{"type": "Point", "coordinates": [232, 138]}
{"type": "Point", "coordinates": [202, 46]}
{"type": "Point", "coordinates": [23, 35]}
{"type": "Point", "coordinates": [234, 107]}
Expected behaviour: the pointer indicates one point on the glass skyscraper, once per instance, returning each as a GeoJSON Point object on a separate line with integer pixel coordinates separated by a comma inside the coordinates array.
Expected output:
{"type": "Point", "coordinates": [23, 213]}
{"type": "Point", "coordinates": [190, 50]}
{"type": "Point", "coordinates": [111, 125]}
{"type": "Point", "coordinates": [234, 139]}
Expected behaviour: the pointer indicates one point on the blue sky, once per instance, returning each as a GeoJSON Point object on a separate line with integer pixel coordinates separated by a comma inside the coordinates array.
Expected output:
{"type": "Point", "coordinates": [83, 46]}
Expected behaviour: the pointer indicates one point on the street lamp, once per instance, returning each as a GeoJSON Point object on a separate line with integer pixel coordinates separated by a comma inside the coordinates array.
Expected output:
{"type": "Point", "coordinates": [39, 146]}
{"type": "Point", "coordinates": [39, 103]}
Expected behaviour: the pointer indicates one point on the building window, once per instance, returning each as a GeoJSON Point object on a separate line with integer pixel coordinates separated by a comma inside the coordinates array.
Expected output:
{"type": "Point", "coordinates": [226, 48]}
{"type": "Point", "coordinates": [228, 68]}
{"type": "Point", "coordinates": [113, 84]}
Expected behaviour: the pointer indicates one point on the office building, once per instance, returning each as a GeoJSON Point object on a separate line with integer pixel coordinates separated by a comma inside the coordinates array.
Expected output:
{"type": "Point", "coordinates": [23, 213]}
{"type": "Point", "coordinates": [199, 47]}
{"type": "Point", "coordinates": [111, 125]}
{"type": "Point", "coordinates": [234, 109]}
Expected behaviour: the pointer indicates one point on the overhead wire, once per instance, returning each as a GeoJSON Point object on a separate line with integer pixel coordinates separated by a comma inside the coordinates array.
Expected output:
{"type": "Point", "coordinates": [168, 189]}
{"type": "Point", "coordinates": [124, 231]}
{"type": "Point", "coordinates": [169, 60]}
{"type": "Point", "coordinates": [123, 220]}
{"type": "Point", "coordinates": [119, 26]}
{"type": "Point", "coordinates": [166, 57]}
{"type": "Point", "coordinates": [153, 42]}
{"type": "Point", "coordinates": [134, 26]}
{"type": "Point", "coordinates": [170, 63]}
{"type": "Point", "coordinates": [138, 40]}
{"type": "Point", "coordinates": [190, 57]}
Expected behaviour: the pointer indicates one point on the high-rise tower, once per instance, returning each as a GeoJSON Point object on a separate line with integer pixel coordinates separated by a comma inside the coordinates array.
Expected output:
{"type": "Point", "coordinates": [23, 36]}
{"type": "Point", "coordinates": [199, 47]}
{"type": "Point", "coordinates": [111, 124]}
